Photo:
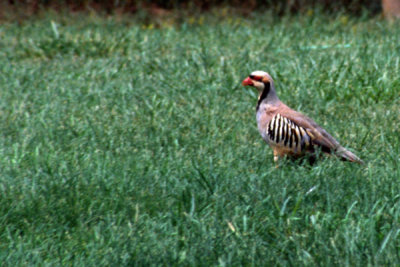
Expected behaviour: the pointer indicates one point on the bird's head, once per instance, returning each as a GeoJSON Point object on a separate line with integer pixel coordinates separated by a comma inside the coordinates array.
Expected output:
{"type": "Point", "coordinates": [265, 86]}
{"type": "Point", "coordinates": [258, 79]}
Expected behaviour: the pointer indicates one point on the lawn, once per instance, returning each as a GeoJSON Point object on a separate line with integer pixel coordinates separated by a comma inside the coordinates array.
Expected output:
{"type": "Point", "coordinates": [130, 143]}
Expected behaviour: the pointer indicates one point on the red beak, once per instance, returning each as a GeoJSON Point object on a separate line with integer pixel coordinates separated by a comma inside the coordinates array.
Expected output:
{"type": "Point", "coordinates": [247, 81]}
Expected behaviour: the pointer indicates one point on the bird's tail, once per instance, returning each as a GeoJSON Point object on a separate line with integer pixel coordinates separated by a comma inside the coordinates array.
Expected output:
{"type": "Point", "coordinates": [347, 155]}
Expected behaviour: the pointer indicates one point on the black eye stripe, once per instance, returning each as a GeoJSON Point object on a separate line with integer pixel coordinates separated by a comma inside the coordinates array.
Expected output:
{"type": "Point", "coordinates": [256, 78]}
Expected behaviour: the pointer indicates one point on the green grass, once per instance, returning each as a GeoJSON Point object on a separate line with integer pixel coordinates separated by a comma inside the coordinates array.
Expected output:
{"type": "Point", "coordinates": [126, 145]}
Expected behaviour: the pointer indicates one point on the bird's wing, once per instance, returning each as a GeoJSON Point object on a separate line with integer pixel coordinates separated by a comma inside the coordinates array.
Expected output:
{"type": "Point", "coordinates": [318, 135]}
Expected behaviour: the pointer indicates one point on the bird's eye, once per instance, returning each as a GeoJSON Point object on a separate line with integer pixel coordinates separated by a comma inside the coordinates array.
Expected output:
{"type": "Point", "coordinates": [251, 77]}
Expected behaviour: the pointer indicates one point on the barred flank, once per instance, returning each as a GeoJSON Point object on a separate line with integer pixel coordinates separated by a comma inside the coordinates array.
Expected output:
{"type": "Point", "coordinates": [285, 132]}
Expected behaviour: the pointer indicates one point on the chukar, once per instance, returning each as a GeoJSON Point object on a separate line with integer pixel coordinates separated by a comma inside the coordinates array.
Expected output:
{"type": "Point", "coordinates": [287, 131]}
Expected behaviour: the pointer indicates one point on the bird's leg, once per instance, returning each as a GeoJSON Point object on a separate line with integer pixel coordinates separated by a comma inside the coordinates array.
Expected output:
{"type": "Point", "coordinates": [276, 158]}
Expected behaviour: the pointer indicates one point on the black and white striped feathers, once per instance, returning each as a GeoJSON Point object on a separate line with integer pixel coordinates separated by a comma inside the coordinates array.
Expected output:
{"type": "Point", "coordinates": [284, 132]}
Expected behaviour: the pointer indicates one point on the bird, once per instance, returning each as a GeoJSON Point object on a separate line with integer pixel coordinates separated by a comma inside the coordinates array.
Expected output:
{"type": "Point", "coordinates": [290, 133]}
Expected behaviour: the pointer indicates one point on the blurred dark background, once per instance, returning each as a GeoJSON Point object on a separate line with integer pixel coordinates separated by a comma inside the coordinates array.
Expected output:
{"type": "Point", "coordinates": [132, 6]}
{"type": "Point", "coordinates": [354, 7]}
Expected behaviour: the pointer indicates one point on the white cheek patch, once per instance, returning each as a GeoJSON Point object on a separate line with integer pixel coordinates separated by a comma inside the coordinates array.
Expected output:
{"type": "Point", "coordinates": [259, 85]}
